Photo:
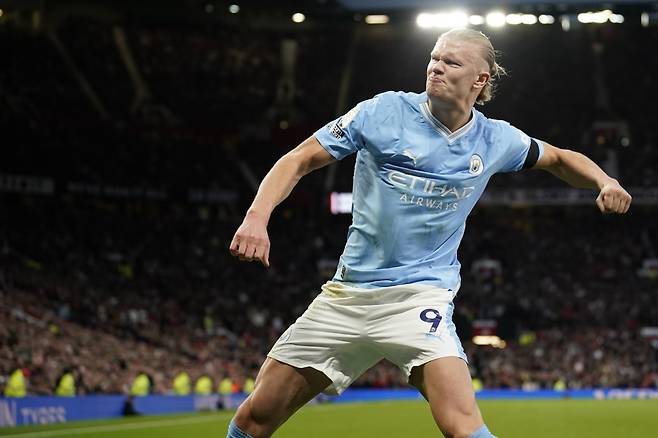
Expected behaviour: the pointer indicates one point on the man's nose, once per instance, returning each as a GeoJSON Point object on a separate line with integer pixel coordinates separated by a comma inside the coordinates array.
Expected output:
{"type": "Point", "coordinates": [438, 67]}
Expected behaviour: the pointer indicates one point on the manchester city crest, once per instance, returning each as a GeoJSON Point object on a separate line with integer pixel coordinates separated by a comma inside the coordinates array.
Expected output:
{"type": "Point", "coordinates": [476, 166]}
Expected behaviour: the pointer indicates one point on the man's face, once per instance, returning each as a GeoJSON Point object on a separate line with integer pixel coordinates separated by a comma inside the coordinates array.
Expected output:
{"type": "Point", "coordinates": [453, 70]}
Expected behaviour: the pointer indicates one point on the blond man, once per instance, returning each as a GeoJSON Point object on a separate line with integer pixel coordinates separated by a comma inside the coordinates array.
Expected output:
{"type": "Point", "coordinates": [423, 161]}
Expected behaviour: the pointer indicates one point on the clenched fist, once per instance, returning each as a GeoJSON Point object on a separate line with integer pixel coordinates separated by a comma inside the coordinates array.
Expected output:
{"type": "Point", "coordinates": [251, 241]}
{"type": "Point", "coordinates": [613, 198]}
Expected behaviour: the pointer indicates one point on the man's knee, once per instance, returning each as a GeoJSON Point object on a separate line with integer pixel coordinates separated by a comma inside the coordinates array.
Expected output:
{"type": "Point", "coordinates": [467, 409]}
{"type": "Point", "coordinates": [259, 415]}
{"type": "Point", "coordinates": [462, 420]}
{"type": "Point", "coordinates": [458, 431]}
{"type": "Point", "coordinates": [280, 391]}
{"type": "Point", "coordinates": [469, 432]}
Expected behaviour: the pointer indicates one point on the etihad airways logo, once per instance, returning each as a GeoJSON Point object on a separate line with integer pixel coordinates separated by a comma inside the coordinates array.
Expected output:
{"type": "Point", "coordinates": [441, 197]}
{"type": "Point", "coordinates": [427, 186]}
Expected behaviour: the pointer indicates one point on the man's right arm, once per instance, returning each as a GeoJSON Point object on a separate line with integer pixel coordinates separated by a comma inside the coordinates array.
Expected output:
{"type": "Point", "coordinates": [251, 241]}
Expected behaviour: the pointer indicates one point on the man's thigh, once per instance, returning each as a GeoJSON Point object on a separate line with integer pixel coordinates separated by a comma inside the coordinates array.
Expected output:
{"type": "Point", "coordinates": [280, 390]}
{"type": "Point", "coordinates": [287, 385]}
{"type": "Point", "coordinates": [329, 337]}
{"type": "Point", "coordinates": [447, 386]}
{"type": "Point", "coordinates": [417, 330]}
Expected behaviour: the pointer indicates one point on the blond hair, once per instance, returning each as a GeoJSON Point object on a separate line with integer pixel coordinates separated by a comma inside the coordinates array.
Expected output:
{"type": "Point", "coordinates": [489, 54]}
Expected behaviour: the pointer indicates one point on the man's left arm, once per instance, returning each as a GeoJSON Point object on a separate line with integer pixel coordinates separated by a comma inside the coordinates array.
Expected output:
{"type": "Point", "coordinates": [579, 171]}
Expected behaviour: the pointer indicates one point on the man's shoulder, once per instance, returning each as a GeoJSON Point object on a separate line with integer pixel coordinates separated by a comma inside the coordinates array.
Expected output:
{"type": "Point", "coordinates": [503, 133]}
{"type": "Point", "coordinates": [402, 97]}
{"type": "Point", "coordinates": [391, 106]}
{"type": "Point", "coordinates": [494, 129]}
{"type": "Point", "coordinates": [490, 123]}
{"type": "Point", "coordinates": [391, 99]}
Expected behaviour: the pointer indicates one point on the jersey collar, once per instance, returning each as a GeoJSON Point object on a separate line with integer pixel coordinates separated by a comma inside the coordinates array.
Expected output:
{"type": "Point", "coordinates": [441, 128]}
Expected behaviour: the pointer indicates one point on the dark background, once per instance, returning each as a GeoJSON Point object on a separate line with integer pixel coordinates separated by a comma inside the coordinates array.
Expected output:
{"type": "Point", "coordinates": [133, 138]}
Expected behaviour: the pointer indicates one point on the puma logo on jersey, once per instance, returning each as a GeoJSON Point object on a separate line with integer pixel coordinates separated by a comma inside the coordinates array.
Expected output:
{"type": "Point", "coordinates": [408, 153]}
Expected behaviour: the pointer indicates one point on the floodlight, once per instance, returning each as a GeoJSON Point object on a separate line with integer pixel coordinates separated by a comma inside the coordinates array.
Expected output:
{"type": "Point", "coordinates": [495, 19]}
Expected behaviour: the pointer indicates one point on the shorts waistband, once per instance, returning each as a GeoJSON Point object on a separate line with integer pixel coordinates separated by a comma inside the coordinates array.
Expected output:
{"type": "Point", "coordinates": [334, 289]}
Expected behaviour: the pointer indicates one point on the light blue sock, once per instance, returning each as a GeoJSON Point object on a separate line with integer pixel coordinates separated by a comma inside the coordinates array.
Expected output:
{"type": "Point", "coordinates": [235, 432]}
{"type": "Point", "coordinates": [482, 432]}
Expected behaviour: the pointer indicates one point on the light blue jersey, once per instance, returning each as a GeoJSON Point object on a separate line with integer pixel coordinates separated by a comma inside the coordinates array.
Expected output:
{"type": "Point", "coordinates": [415, 183]}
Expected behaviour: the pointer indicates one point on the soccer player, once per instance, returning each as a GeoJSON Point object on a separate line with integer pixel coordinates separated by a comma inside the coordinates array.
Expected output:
{"type": "Point", "coordinates": [423, 160]}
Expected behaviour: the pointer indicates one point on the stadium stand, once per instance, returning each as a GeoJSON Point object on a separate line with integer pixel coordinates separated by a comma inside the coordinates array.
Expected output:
{"type": "Point", "coordinates": [121, 265]}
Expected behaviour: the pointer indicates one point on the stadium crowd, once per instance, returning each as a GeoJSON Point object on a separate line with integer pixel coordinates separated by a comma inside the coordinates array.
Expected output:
{"type": "Point", "coordinates": [111, 285]}
{"type": "Point", "coordinates": [161, 294]}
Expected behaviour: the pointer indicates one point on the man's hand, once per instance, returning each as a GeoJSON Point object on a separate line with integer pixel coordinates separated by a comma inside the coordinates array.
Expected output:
{"type": "Point", "coordinates": [613, 198]}
{"type": "Point", "coordinates": [251, 241]}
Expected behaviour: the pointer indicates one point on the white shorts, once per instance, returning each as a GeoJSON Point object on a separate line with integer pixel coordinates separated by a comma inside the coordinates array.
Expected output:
{"type": "Point", "coordinates": [347, 330]}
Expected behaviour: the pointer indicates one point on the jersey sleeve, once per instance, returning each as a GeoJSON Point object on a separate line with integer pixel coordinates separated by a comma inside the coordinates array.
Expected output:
{"type": "Point", "coordinates": [522, 151]}
{"type": "Point", "coordinates": [346, 134]}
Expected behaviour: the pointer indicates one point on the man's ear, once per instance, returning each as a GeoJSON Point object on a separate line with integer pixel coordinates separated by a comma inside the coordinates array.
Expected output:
{"type": "Point", "coordinates": [482, 80]}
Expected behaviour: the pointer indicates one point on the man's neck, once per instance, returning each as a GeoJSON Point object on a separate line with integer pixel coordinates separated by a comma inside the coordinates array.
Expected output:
{"type": "Point", "coordinates": [452, 117]}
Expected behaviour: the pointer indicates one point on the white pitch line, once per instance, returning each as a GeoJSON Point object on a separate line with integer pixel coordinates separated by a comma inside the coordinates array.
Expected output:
{"type": "Point", "coordinates": [110, 428]}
